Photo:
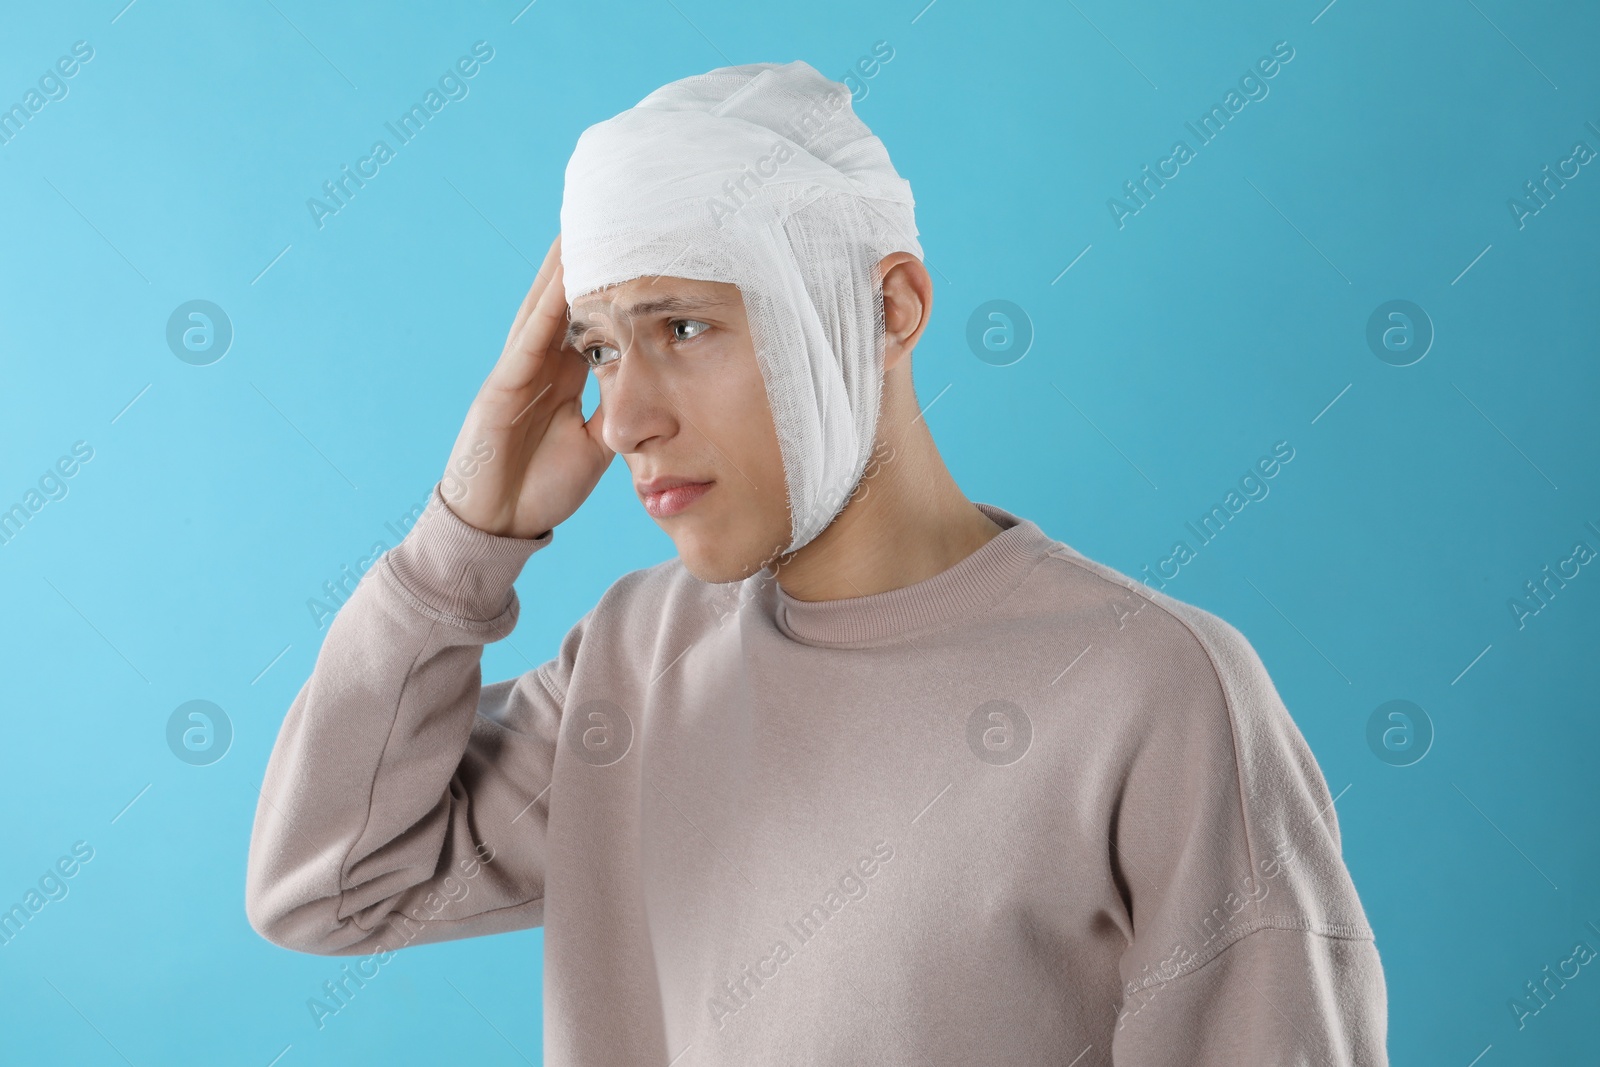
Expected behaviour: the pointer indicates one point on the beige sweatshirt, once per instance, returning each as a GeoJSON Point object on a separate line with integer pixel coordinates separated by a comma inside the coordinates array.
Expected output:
{"type": "Point", "coordinates": [1025, 812]}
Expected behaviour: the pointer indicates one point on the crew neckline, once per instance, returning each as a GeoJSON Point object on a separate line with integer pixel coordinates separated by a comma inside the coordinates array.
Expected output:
{"type": "Point", "coordinates": [964, 589]}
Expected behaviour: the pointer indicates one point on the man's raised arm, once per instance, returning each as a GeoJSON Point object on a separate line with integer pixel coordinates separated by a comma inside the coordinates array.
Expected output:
{"type": "Point", "coordinates": [404, 801]}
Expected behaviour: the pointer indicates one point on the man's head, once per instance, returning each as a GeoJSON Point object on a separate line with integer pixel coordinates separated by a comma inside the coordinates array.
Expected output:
{"type": "Point", "coordinates": [756, 182]}
{"type": "Point", "coordinates": [683, 401]}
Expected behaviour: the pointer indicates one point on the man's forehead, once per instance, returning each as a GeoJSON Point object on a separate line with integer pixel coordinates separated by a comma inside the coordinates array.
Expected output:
{"type": "Point", "coordinates": [643, 296]}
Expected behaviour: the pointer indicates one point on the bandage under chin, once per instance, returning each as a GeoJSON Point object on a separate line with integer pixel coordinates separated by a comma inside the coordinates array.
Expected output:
{"type": "Point", "coordinates": [761, 176]}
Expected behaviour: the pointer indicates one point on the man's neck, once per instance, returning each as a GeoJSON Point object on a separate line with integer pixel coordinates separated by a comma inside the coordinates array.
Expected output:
{"type": "Point", "coordinates": [908, 522]}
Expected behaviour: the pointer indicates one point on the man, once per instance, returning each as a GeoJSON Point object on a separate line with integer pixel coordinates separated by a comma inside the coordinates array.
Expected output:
{"type": "Point", "coordinates": [869, 773]}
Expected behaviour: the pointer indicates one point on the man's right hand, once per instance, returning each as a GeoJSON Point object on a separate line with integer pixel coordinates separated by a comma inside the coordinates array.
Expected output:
{"type": "Point", "coordinates": [525, 458]}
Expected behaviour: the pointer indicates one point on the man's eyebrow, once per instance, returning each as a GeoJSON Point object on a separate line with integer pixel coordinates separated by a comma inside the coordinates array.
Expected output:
{"type": "Point", "coordinates": [655, 306]}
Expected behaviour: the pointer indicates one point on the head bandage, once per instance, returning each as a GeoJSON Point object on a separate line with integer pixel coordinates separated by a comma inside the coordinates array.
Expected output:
{"type": "Point", "coordinates": [761, 176]}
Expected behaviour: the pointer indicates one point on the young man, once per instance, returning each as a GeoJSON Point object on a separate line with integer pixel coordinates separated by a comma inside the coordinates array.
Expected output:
{"type": "Point", "coordinates": [869, 773]}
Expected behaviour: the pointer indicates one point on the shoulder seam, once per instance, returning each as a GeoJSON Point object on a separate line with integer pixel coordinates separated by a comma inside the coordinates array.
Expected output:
{"type": "Point", "coordinates": [1216, 673]}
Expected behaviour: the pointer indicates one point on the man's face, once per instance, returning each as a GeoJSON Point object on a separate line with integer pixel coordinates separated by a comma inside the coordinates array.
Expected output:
{"type": "Point", "coordinates": [682, 400]}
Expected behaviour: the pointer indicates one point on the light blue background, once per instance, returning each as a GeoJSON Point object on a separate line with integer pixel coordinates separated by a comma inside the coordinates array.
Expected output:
{"type": "Point", "coordinates": [1230, 313]}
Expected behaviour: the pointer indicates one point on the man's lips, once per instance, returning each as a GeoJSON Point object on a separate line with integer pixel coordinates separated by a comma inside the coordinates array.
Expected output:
{"type": "Point", "coordinates": [665, 497]}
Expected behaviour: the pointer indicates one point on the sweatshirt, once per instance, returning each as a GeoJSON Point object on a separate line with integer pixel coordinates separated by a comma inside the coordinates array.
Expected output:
{"type": "Point", "coordinates": [1026, 811]}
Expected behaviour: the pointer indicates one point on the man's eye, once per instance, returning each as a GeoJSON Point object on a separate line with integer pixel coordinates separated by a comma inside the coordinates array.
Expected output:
{"type": "Point", "coordinates": [678, 325]}
{"type": "Point", "coordinates": [596, 361]}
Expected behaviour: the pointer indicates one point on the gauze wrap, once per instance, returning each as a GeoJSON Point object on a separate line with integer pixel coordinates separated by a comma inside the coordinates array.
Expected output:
{"type": "Point", "coordinates": [762, 176]}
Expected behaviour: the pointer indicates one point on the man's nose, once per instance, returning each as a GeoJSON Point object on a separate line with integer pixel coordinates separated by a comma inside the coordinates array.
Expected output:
{"type": "Point", "coordinates": [635, 396]}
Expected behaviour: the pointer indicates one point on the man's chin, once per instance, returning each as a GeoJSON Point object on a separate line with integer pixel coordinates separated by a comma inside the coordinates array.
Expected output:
{"type": "Point", "coordinates": [719, 559]}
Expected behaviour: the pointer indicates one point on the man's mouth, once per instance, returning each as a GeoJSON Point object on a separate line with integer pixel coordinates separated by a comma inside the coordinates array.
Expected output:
{"type": "Point", "coordinates": [665, 497]}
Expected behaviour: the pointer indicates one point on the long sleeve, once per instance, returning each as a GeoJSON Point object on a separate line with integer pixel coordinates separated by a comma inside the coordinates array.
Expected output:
{"type": "Point", "coordinates": [403, 802]}
{"type": "Point", "coordinates": [1250, 944]}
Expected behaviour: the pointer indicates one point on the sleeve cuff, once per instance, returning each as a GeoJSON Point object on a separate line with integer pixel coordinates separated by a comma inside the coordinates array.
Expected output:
{"type": "Point", "coordinates": [456, 569]}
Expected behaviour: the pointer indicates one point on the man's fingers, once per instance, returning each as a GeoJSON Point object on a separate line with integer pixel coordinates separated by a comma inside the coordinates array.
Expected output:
{"type": "Point", "coordinates": [546, 325]}
{"type": "Point", "coordinates": [529, 368]}
{"type": "Point", "coordinates": [541, 281]}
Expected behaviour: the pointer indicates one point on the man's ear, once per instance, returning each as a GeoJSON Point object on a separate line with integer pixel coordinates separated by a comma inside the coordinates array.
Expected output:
{"type": "Point", "coordinates": [907, 302]}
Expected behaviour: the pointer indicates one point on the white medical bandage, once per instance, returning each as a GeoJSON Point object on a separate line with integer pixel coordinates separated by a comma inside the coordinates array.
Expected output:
{"type": "Point", "coordinates": [761, 176]}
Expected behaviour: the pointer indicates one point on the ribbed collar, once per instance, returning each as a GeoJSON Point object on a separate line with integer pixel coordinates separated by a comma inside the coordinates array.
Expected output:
{"type": "Point", "coordinates": [961, 591]}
